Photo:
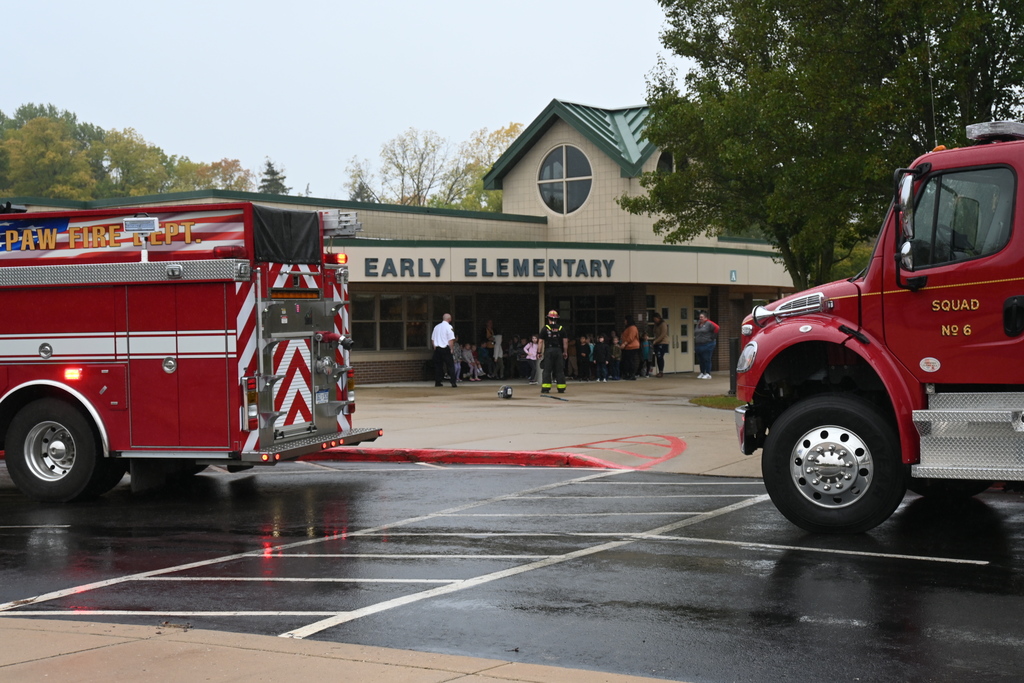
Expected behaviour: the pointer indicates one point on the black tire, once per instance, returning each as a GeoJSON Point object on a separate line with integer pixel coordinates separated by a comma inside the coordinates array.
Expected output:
{"type": "Point", "coordinates": [948, 489]}
{"type": "Point", "coordinates": [108, 473]}
{"type": "Point", "coordinates": [51, 451]}
{"type": "Point", "coordinates": [853, 479]}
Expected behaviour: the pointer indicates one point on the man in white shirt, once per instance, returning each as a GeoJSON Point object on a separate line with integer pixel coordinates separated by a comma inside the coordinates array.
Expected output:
{"type": "Point", "coordinates": [443, 339]}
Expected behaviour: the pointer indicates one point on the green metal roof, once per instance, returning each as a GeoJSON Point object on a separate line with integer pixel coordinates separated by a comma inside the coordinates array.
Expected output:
{"type": "Point", "coordinates": [616, 132]}
{"type": "Point", "coordinates": [235, 196]}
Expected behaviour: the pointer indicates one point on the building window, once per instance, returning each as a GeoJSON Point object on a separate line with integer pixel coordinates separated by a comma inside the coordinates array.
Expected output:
{"type": "Point", "coordinates": [665, 164]}
{"type": "Point", "coordinates": [565, 179]}
{"type": "Point", "coordinates": [393, 322]}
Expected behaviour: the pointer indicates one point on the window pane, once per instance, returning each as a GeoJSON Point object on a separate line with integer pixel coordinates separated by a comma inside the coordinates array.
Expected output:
{"type": "Point", "coordinates": [365, 336]}
{"type": "Point", "coordinates": [391, 336]}
{"type": "Point", "coordinates": [700, 302]}
{"type": "Point", "coordinates": [390, 307]}
{"type": "Point", "coordinates": [416, 307]}
{"type": "Point", "coordinates": [963, 215]}
{"type": "Point", "coordinates": [552, 168]}
{"type": "Point", "coordinates": [665, 164]}
{"type": "Point", "coordinates": [576, 163]}
{"type": "Point", "coordinates": [583, 302]}
{"type": "Point", "coordinates": [606, 319]}
{"type": "Point", "coordinates": [585, 317]}
{"type": "Point", "coordinates": [415, 335]}
{"type": "Point", "coordinates": [551, 193]}
{"type": "Point", "coordinates": [364, 307]}
{"type": "Point", "coordinates": [463, 309]}
{"type": "Point", "coordinates": [442, 304]}
{"type": "Point", "coordinates": [578, 192]}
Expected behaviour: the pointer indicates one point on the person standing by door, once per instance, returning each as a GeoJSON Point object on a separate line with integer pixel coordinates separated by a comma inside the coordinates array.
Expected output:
{"type": "Point", "coordinates": [705, 339]}
{"type": "Point", "coordinates": [660, 343]}
{"type": "Point", "coordinates": [443, 339]}
{"type": "Point", "coordinates": [630, 343]}
{"type": "Point", "coordinates": [554, 350]}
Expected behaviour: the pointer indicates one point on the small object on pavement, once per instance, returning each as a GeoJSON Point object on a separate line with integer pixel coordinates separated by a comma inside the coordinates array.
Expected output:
{"type": "Point", "coordinates": [505, 391]}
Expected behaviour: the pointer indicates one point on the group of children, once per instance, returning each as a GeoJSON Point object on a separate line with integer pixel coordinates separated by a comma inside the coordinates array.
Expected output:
{"type": "Point", "coordinates": [590, 359]}
{"type": "Point", "coordinates": [467, 361]}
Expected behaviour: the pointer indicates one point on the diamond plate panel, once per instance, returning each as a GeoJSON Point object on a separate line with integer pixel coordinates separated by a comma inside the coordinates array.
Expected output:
{"type": "Point", "coordinates": [120, 273]}
{"type": "Point", "coordinates": [977, 401]}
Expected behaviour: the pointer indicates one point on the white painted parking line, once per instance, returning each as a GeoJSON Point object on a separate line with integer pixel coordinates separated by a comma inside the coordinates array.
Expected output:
{"type": "Point", "coordinates": [56, 595]}
{"type": "Point", "coordinates": [342, 618]}
{"type": "Point", "coordinates": [827, 551]}
{"type": "Point", "coordinates": [285, 579]}
{"type": "Point", "coordinates": [639, 497]}
{"type": "Point", "coordinates": [752, 482]}
{"type": "Point", "coordinates": [396, 556]}
{"type": "Point", "coordinates": [571, 514]}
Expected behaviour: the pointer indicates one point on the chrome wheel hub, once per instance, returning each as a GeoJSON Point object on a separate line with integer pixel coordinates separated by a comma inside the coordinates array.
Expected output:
{"type": "Point", "coordinates": [50, 451]}
{"type": "Point", "coordinates": [831, 466]}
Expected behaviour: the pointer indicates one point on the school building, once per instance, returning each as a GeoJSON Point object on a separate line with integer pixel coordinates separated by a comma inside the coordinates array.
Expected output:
{"type": "Point", "coordinates": [561, 242]}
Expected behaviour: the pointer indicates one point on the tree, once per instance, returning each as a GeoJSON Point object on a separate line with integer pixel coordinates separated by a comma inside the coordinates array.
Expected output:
{"type": "Point", "coordinates": [43, 160]}
{"type": "Point", "coordinates": [796, 113]}
{"type": "Point", "coordinates": [474, 160]}
{"type": "Point", "coordinates": [272, 180]}
{"type": "Point", "coordinates": [133, 166]}
{"type": "Point", "coordinates": [420, 168]}
{"type": "Point", "coordinates": [227, 174]}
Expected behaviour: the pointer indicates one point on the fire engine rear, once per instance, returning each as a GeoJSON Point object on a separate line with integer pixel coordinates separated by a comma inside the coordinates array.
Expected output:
{"type": "Point", "coordinates": [162, 342]}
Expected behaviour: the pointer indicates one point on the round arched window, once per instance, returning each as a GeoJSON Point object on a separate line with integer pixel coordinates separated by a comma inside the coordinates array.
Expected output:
{"type": "Point", "coordinates": [564, 180]}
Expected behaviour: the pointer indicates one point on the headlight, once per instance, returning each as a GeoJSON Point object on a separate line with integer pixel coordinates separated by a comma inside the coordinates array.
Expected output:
{"type": "Point", "coordinates": [747, 329]}
{"type": "Point", "coordinates": [746, 360]}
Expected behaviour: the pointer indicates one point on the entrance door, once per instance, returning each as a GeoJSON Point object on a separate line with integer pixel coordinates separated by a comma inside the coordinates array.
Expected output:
{"type": "Point", "coordinates": [677, 310]}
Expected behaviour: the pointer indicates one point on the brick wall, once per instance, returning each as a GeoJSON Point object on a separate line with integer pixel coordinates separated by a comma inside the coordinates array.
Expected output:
{"type": "Point", "coordinates": [379, 372]}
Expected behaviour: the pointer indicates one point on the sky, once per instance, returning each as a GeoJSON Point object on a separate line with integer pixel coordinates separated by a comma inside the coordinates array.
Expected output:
{"type": "Point", "coordinates": [311, 84]}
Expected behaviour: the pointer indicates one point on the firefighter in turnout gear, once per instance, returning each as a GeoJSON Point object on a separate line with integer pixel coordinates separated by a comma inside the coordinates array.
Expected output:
{"type": "Point", "coordinates": [554, 349]}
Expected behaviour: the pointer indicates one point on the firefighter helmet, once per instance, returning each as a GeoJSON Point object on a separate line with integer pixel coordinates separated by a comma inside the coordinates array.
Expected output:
{"type": "Point", "coordinates": [553, 314]}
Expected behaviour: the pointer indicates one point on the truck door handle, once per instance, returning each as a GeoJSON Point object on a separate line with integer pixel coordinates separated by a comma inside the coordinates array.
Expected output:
{"type": "Point", "coordinates": [1013, 316]}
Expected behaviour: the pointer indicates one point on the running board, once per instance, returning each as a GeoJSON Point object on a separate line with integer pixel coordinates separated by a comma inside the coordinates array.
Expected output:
{"type": "Point", "coordinates": [971, 436]}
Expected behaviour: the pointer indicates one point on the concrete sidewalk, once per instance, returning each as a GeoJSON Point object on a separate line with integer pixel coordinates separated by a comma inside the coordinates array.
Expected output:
{"type": "Point", "coordinates": [643, 424]}
{"type": "Point", "coordinates": [83, 652]}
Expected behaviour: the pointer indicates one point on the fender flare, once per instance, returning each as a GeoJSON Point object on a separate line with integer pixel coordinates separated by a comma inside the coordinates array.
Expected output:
{"type": "Point", "coordinates": [893, 375]}
{"type": "Point", "coordinates": [83, 403]}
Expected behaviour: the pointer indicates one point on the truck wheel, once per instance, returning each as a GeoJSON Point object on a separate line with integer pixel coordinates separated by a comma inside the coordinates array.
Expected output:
{"type": "Point", "coordinates": [108, 473]}
{"type": "Point", "coordinates": [947, 489]}
{"type": "Point", "coordinates": [51, 451]}
{"type": "Point", "coordinates": [831, 464]}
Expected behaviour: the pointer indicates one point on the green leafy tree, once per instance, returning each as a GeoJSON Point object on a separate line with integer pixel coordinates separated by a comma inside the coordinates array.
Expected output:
{"type": "Point", "coordinates": [796, 113]}
{"type": "Point", "coordinates": [227, 174]}
{"type": "Point", "coordinates": [44, 160]}
{"type": "Point", "coordinates": [272, 180]}
{"type": "Point", "coordinates": [133, 167]}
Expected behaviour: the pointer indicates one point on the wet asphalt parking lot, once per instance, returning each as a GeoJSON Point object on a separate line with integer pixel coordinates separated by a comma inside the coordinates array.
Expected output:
{"type": "Point", "coordinates": [658, 574]}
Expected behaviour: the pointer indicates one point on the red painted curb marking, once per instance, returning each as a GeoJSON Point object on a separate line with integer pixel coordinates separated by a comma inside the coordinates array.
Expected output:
{"type": "Point", "coordinates": [457, 457]}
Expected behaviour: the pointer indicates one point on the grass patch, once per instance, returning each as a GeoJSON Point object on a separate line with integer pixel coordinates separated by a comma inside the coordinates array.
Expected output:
{"type": "Point", "coordinates": [720, 402]}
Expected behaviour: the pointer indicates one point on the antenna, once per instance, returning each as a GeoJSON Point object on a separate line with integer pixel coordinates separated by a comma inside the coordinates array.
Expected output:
{"type": "Point", "coordinates": [931, 91]}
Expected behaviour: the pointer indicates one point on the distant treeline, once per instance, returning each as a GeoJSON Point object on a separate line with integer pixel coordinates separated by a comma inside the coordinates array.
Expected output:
{"type": "Point", "coordinates": [47, 152]}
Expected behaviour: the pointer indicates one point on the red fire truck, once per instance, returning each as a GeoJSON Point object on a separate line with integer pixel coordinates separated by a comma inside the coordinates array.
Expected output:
{"type": "Point", "coordinates": [906, 375]}
{"type": "Point", "coordinates": [164, 341]}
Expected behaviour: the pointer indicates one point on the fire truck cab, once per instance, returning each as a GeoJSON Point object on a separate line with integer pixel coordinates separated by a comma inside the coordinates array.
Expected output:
{"type": "Point", "coordinates": [907, 375]}
{"type": "Point", "coordinates": [164, 341]}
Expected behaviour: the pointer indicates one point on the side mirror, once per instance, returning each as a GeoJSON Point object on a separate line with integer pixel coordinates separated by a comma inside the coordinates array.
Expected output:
{"type": "Point", "coordinates": [905, 201]}
{"type": "Point", "coordinates": [906, 256]}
